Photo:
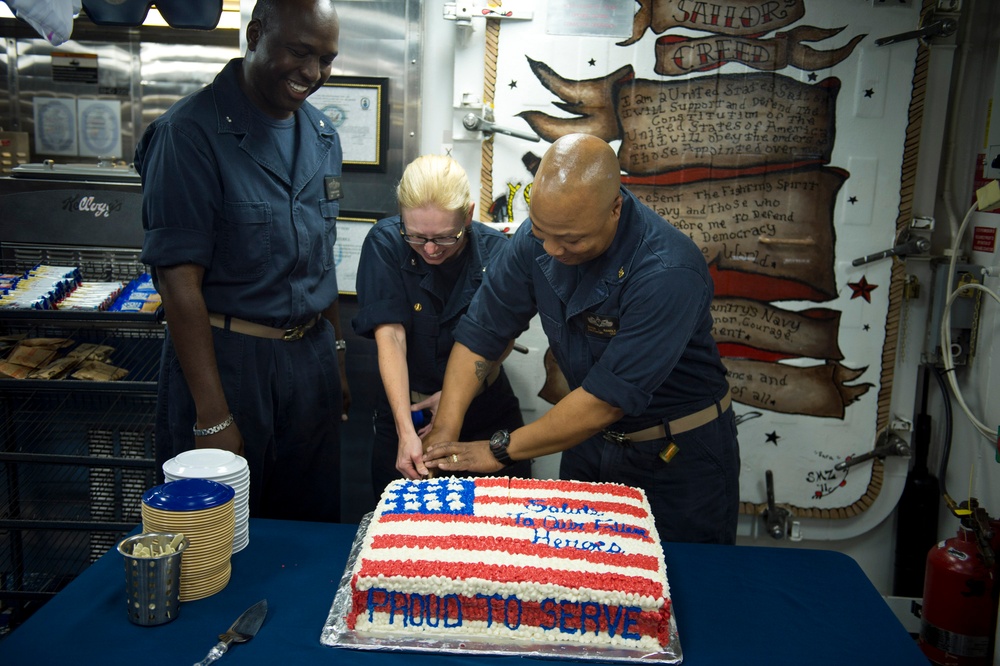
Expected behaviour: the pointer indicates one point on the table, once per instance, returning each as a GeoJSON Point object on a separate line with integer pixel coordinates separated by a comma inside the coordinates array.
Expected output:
{"type": "Point", "coordinates": [733, 604]}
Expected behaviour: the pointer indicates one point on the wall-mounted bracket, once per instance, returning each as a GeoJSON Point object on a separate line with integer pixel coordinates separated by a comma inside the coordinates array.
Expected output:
{"type": "Point", "coordinates": [887, 444]}
{"type": "Point", "coordinates": [485, 124]}
{"type": "Point", "coordinates": [909, 245]}
{"type": "Point", "coordinates": [777, 519]}
{"type": "Point", "coordinates": [462, 13]}
{"type": "Point", "coordinates": [936, 26]}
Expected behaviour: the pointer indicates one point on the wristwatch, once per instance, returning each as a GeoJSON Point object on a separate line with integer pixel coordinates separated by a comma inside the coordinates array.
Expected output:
{"type": "Point", "coordinates": [498, 447]}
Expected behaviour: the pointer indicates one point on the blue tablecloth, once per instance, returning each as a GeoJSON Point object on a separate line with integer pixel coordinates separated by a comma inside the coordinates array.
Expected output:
{"type": "Point", "coordinates": [733, 605]}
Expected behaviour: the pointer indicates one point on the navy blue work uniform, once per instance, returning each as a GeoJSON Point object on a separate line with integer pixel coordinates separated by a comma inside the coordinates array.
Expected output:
{"type": "Point", "coordinates": [223, 189]}
{"type": "Point", "coordinates": [633, 328]}
{"type": "Point", "coordinates": [396, 286]}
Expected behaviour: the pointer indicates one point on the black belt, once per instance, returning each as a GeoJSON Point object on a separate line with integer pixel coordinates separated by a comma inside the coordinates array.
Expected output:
{"type": "Point", "coordinates": [677, 426]}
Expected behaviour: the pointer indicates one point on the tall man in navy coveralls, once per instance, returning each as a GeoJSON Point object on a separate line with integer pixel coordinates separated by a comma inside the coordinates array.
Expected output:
{"type": "Point", "coordinates": [241, 182]}
{"type": "Point", "coordinates": [417, 275]}
{"type": "Point", "coordinates": [624, 300]}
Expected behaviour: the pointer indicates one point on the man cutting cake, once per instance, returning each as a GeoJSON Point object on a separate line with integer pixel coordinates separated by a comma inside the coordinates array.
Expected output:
{"type": "Point", "coordinates": [624, 299]}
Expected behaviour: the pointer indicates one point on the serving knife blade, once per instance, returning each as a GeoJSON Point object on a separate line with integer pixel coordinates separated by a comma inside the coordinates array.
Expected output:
{"type": "Point", "coordinates": [243, 629]}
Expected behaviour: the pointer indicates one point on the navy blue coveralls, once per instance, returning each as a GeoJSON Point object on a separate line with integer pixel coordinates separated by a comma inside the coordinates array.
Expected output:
{"type": "Point", "coordinates": [396, 286]}
{"type": "Point", "coordinates": [216, 193]}
{"type": "Point", "coordinates": [633, 328]}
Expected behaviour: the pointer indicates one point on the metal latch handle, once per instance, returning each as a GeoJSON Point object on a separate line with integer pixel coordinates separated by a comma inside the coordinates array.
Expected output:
{"type": "Point", "coordinates": [939, 28]}
{"type": "Point", "coordinates": [776, 518]}
{"type": "Point", "coordinates": [912, 246]}
{"type": "Point", "coordinates": [472, 122]}
{"type": "Point", "coordinates": [888, 444]}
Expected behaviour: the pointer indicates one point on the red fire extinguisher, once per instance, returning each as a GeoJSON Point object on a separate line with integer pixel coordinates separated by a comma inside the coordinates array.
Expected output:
{"type": "Point", "coordinates": [959, 613]}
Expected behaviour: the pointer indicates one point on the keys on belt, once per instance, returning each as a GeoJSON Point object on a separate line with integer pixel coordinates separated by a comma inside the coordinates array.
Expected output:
{"type": "Point", "coordinates": [644, 435]}
{"type": "Point", "coordinates": [297, 332]}
{"type": "Point", "coordinates": [677, 426]}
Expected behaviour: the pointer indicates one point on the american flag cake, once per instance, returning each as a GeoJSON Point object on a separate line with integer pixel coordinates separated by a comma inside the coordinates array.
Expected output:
{"type": "Point", "coordinates": [513, 559]}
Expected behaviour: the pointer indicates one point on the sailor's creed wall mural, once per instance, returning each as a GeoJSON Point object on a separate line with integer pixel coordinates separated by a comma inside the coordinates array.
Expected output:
{"type": "Point", "coordinates": [782, 139]}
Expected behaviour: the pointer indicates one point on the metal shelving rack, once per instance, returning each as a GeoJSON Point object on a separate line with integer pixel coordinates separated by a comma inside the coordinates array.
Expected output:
{"type": "Point", "coordinates": [75, 456]}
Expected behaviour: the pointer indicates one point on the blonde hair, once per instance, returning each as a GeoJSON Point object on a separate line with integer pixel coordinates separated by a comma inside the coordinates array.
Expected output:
{"type": "Point", "coordinates": [435, 180]}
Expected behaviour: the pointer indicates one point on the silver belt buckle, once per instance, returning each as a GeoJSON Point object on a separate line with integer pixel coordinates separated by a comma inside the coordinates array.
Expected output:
{"type": "Point", "coordinates": [615, 437]}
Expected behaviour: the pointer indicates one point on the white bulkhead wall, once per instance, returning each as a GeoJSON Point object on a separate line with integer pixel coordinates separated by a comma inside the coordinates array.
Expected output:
{"type": "Point", "coordinates": [453, 81]}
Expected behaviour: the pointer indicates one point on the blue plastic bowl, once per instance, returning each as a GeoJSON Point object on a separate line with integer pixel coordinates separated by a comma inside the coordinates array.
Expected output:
{"type": "Point", "coordinates": [188, 495]}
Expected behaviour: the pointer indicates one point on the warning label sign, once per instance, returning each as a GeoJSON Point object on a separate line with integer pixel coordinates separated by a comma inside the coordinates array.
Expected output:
{"type": "Point", "coordinates": [984, 239]}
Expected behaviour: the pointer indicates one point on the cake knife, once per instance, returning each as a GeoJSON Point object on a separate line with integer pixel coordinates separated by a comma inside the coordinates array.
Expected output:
{"type": "Point", "coordinates": [243, 629]}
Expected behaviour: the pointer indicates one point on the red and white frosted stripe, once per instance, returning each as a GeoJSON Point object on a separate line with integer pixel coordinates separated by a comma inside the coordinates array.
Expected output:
{"type": "Point", "coordinates": [535, 539]}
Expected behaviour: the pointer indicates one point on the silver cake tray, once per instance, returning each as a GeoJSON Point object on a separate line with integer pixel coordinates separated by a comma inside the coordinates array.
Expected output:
{"type": "Point", "coordinates": [337, 634]}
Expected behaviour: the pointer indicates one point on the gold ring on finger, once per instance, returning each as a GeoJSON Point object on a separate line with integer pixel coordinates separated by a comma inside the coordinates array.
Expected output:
{"type": "Point", "coordinates": [454, 457]}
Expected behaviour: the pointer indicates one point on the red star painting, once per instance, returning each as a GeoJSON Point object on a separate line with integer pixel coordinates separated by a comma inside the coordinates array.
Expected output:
{"type": "Point", "coordinates": [862, 289]}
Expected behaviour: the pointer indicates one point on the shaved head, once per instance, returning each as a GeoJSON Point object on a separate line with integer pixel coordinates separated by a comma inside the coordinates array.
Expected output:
{"type": "Point", "coordinates": [578, 165]}
{"type": "Point", "coordinates": [576, 199]}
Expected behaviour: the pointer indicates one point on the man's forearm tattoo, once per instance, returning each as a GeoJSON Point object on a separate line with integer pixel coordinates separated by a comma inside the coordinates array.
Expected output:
{"type": "Point", "coordinates": [483, 370]}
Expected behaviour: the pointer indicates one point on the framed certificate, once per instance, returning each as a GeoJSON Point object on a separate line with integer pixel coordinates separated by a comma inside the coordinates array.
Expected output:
{"type": "Point", "coordinates": [351, 231]}
{"type": "Point", "coordinates": [358, 106]}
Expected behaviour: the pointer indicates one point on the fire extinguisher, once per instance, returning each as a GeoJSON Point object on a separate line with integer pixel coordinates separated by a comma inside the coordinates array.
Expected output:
{"type": "Point", "coordinates": [959, 612]}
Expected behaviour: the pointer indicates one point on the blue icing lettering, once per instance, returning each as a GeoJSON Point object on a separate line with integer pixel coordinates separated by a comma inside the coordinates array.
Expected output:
{"type": "Point", "coordinates": [457, 621]}
{"type": "Point", "coordinates": [612, 624]}
{"type": "Point", "coordinates": [416, 609]}
{"type": "Point", "coordinates": [565, 615]}
{"type": "Point", "coordinates": [631, 621]}
{"type": "Point", "coordinates": [394, 606]}
{"type": "Point", "coordinates": [523, 520]}
{"type": "Point", "coordinates": [489, 606]}
{"type": "Point", "coordinates": [433, 618]}
{"type": "Point", "coordinates": [538, 506]}
{"type": "Point", "coordinates": [506, 613]}
{"type": "Point", "coordinates": [550, 611]}
{"type": "Point", "coordinates": [544, 537]}
{"type": "Point", "coordinates": [621, 528]}
{"type": "Point", "coordinates": [590, 610]}
{"type": "Point", "coordinates": [569, 617]}
{"type": "Point", "coordinates": [568, 525]}
{"type": "Point", "coordinates": [372, 604]}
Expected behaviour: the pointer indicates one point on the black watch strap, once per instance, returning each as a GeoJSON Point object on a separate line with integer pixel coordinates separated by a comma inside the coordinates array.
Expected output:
{"type": "Point", "coordinates": [498, 447]}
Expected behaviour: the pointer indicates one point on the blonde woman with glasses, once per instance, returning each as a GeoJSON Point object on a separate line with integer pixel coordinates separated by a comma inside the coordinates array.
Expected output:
{"type": "Point", "coordinates": [416, 277]}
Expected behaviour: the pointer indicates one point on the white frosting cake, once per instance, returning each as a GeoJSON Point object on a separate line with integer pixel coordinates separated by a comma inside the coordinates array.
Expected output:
{"type": "Point", "coordinates": [513, 559]}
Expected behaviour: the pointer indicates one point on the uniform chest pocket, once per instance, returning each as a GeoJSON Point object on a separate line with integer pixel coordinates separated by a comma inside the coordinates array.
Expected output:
{"type": "Point", "coordinates": [245, 238]}
{"type": "Point", "coordinates": [431, 345]}
{"type": "Point", "coordinates": [596, 345]}
{"type": "Point", "coordinates": [329, 210]}
{"type": "Point", "coordinates": [553, 329]}
{"type": "Point", "coordinates": [426, 325]}
{"type": "Point", "coordinates": [598, 330]}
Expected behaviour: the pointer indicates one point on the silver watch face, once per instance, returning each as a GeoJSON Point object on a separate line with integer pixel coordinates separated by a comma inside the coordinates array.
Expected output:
{"type": "Point", "coordinates": [500, 440]}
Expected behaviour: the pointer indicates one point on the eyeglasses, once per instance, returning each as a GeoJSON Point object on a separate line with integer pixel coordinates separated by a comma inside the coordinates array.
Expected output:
{"type": "Point", "coordinates": [443, 241]}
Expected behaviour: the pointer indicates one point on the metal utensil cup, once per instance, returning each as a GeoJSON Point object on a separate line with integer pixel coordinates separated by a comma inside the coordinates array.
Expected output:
{"type": "Point", "coordinates": [152, 584]}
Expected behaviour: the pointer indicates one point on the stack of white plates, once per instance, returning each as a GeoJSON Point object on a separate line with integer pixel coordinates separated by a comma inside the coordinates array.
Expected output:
{"type": "Point", "coordinates": [201, 510]}
{"type": "Point", "coordinates": [221, 466]}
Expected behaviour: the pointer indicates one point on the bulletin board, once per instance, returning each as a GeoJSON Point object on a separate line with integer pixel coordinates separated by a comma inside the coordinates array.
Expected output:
{"type": "Point", "coordinates": [783, 141]}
